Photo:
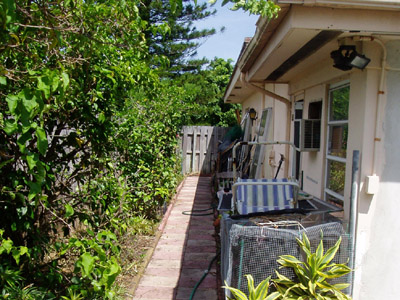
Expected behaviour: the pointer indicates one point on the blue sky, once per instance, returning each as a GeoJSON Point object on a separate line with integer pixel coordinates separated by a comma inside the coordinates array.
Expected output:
{"type": "Point", "coordinates": [238, 25]}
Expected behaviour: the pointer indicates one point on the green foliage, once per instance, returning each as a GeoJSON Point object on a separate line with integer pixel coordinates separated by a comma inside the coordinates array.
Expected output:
{"type": "Point", "coordinates": [96, 267]}
{"type": "Point", "coordinates": [264, 8]}
{"type": "Point", "coordinates": [180, 38]}
{"type": "Point", "coordinates": [204, 92]}
{"type": "Point", "coordinates": [258, 293]}
{"type": "Point", "coordinates": [313, 274]}
{"type": "Point", "coordinates": [87, 143]}
{"type": "Point", "coordinates": [88, 127]}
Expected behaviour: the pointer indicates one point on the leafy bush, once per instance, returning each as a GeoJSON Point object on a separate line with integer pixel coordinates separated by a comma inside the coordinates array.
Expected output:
{"type": "Point", "coordinates": [87, 143]}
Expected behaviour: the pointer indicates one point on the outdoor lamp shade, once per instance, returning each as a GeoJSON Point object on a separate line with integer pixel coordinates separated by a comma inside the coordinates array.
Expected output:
{"type": "Point", "coordinates": [252, 114]}
{"type": "Point", "coordinates": [360, 61]}
{"type": "Point", "coordinates": [346, 57]}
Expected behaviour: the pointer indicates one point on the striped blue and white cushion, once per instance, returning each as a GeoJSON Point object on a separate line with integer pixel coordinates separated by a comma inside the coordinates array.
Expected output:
{"type": "Point", "coordinates": [262, 198]}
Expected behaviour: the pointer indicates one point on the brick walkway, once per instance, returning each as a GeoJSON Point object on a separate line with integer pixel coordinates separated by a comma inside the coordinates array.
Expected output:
{"type": "Point", "coordinates": [184, 251]}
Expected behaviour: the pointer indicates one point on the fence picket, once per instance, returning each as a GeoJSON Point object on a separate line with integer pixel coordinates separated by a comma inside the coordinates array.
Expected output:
{"type": "Point", "coordinates": [199, 148]}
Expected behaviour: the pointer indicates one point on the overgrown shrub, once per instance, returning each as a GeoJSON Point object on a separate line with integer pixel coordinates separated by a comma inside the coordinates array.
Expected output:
{"type": "Point", "coordinates": [87, 143]}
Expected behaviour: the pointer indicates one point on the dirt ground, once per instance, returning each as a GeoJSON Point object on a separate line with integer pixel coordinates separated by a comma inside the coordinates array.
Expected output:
{"type": "Point", "coordinates": [134, 252]}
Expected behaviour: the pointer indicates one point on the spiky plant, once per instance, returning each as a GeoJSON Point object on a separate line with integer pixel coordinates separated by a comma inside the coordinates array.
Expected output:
{"type": "Point", "coordinates": [313, 274]}
{"type": "Point", "coordinates": [258, 293]}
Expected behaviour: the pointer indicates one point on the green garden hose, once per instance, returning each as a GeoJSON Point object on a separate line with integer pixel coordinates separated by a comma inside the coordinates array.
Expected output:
{"type": "Point", "coordinates": [241, 263]}
{"type": "Point", "coordinates": [202, 278]}
{"type": "Point", "coordinates": [195, 213]}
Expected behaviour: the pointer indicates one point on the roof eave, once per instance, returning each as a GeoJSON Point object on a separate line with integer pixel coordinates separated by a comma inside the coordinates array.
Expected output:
{"type": "Point", "coordinates": [255, 47]}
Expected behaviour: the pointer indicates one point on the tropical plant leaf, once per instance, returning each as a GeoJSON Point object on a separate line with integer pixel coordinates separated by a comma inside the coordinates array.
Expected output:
{"type": "Point", "coordinates": [238, 294]}
{"type": "Point", "coordinates": [272, 296]}
{"type": "Point", "coordinates": [331, 252]}
{"type": "Point", "coordinates": [290, 259]}
{"type": "Point", "coordinates": [311, 278]}
{"type": "Point", "coordinates": [250, 286]}
{"type": "Point", "coordinates": [319, 253]}
{"type": "Point", "coordinates": [261, 290]}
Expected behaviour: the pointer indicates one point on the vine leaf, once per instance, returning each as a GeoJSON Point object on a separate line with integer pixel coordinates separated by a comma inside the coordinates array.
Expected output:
{"type": "Point", "coordinates": [86, 263]}
{"type": "Point", "coordinates": [12, 102]}
{"type": "Point", "coordinates": [10, 126]}
{"type": "Point", "coordinates": [42, 143]}
{"type": "Point", "coordinates": [69, 211]}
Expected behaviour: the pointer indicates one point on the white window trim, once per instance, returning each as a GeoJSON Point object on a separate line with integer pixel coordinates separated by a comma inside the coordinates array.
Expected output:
{"type": "Point", "coordinates": [330, 123]}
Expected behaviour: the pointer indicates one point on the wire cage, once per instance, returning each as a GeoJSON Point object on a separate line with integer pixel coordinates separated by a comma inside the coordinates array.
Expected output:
{"type": "Point", "coordinates": [251, 247]}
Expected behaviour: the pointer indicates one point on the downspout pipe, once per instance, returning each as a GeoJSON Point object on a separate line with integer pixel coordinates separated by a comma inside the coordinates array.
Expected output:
{"type": "Point", "coordinates": [287, 102]}
{"type": "Point", "coordinates": [381, 92]}
{"type": "Point", "coordinates": [353, 213]}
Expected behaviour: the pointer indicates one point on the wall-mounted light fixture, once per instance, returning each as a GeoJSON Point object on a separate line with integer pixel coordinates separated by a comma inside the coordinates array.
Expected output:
{"type": "Point", "coordinates": [346, 57]}
{"type": "Point", "coordinates": [252, 114]}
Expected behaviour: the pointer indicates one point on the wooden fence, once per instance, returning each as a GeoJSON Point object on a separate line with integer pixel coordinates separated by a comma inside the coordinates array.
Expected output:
{"type": "Point", "coordinates": [200, 148]}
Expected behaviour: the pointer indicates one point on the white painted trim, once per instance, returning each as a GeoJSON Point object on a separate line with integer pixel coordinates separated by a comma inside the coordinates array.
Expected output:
{"type": "Point", "coordinates": [334, 194]}
{"type": "Point", "coordinates": [336, 158]}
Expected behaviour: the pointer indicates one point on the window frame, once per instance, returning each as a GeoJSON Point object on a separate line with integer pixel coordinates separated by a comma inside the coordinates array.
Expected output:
{"type": "Point", "coordinates": [339, 198]}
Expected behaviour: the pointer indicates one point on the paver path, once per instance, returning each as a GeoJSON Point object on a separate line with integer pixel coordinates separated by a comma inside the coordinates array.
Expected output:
{"type": "Point", "coordinates": [185, 249]}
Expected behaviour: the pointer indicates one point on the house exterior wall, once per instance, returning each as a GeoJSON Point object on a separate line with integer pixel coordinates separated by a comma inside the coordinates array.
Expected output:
{"type": "Point", "coordinates": [377, 241]}
{"type": "Point", "coordinates": [378, 227]}
{"type": "Point", "coordinates": [373, 122]}
{"type": "Point", "coordinates": [255, 101]}
{"type": "Point", "coordinates": [279, 130]}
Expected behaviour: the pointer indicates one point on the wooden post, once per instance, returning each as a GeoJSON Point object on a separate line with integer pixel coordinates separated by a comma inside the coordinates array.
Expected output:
{"type": "Point", "coordinates": [184, 149]}
{"type": "Point", "coordinates": [193, 169]}
{"type": "Point", "coordinates": [203, 144]}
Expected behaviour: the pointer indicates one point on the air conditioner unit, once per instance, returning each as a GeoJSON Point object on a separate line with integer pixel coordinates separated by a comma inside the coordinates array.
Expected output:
{"type": "Point", "coordinates": [307, 135]}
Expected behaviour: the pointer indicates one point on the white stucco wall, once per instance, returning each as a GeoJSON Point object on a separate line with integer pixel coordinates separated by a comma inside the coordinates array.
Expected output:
{"type": "Point", "coordinates": [377, 230]}
{"type": "Point", "coordinates": [279, 130]}
{"type": "Point", "coordinates": [378, 238]}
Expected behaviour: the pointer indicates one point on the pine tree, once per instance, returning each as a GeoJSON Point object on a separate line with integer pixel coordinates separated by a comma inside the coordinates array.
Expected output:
{"type": "Point", "coordinates": [179, 45]}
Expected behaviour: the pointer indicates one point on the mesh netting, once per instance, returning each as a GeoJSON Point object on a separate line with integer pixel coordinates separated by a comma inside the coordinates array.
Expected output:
{"type": "Point", "coordinates": [250, 249]}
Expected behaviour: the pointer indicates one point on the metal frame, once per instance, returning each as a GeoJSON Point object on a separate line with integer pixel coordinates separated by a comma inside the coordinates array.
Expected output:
{"type": "Point", "coordinates": [262, 143]}
{"type": "Point", "coordinates": [257, 162]}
